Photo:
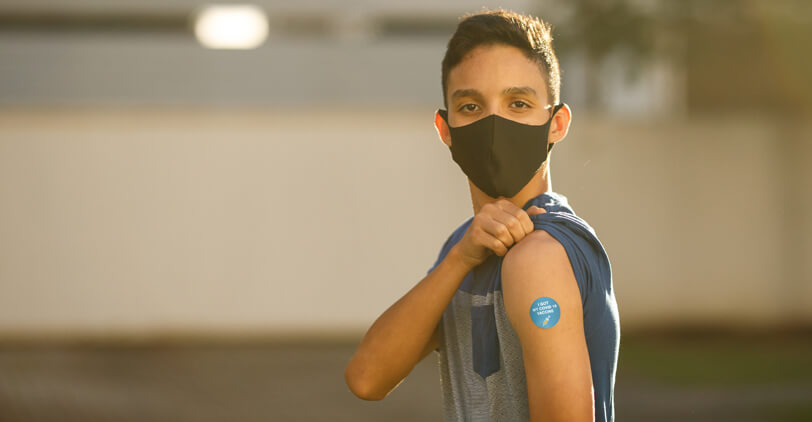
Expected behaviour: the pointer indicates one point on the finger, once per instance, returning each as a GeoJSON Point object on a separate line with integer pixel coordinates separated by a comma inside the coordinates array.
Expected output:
{"type": "Point", "coordinates": [497, 230]}
{"type": "Point", "coordinates": [514, 225]}
{"type": "Point", "coordinates": [534, 210]}
{"type": "Point", "coordinates": [499, 248]}
{"type": "Point", "coordinates": [519, 214]}
{"type": "Point", "coordinates": [492, 243]}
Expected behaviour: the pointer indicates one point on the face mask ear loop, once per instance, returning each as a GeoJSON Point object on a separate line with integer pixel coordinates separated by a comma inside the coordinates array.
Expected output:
{"type": "Point", "coordinates": [555, 110]}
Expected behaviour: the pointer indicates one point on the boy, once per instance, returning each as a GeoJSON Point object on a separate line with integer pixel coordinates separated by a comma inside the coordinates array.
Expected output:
{"type": "Point", "coordinates": [519, 305]}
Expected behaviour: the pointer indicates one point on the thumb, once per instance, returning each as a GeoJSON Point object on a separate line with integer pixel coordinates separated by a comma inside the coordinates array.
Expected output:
{"type": "Point", "coordinates": [534, 210]}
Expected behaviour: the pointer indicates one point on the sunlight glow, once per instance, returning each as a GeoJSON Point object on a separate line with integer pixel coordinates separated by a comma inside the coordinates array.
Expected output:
{"type": "Point", "coordinates": [232, 26]}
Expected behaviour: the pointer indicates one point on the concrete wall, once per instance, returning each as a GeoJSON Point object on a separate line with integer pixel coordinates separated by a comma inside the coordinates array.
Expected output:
{"type": "Point", "coordinates": [204, 221]}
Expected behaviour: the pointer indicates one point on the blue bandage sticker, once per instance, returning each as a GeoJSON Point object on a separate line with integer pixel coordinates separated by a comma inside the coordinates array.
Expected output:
{"type": "Point", "coordinates": [545, 312]}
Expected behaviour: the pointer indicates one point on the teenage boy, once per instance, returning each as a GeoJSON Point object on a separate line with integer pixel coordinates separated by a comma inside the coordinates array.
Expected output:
{"type": "Point", "coordinates": [519, 305]}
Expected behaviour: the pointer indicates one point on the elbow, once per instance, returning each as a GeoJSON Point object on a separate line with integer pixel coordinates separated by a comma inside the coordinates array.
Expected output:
{"type": "Point", "coordinates": [361, 386]}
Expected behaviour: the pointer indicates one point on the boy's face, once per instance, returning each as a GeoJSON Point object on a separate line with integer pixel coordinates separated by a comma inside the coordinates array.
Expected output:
{"type": "Point", "coordinates": [497, 79]}
{"type": "Point", "coordinates": [500, 80]}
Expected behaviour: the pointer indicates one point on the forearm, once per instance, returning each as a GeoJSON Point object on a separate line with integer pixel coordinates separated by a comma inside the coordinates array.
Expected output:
{"type": "Point", "coordinates": [395, 341]}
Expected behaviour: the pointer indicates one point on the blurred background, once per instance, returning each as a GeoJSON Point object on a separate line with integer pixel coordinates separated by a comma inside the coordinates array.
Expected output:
{"type": "Point", "coordinates": [202, 209]}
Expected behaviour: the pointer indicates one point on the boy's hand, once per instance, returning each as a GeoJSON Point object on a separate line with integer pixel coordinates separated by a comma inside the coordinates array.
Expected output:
{"type": "Point", "coordinates": [494, 229]}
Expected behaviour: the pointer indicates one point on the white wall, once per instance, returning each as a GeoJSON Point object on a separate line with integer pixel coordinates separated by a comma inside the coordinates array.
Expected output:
{"type": "Point", "coordinates": [692, 213]}
{"type": "Point", "coordinates": [206, 221]}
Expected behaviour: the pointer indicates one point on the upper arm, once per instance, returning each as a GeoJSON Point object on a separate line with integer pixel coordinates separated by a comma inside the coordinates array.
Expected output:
{"type": "Point", "coordinates": [556, 360]}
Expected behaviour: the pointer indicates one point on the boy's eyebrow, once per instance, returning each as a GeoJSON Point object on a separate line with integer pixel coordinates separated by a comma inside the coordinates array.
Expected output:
{"type": "Point", "coordinates": [466, 93]}
{"type": "Point", "coordinates": [473, 93]}
{"type": "Point", "coordinates": [519, 90]}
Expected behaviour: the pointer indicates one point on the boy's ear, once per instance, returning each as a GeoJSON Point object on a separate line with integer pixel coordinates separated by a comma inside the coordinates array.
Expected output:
{"type": "Point", "coordinates": [561, 123]}
{"type": "Point", "coordinates": [442, 126]}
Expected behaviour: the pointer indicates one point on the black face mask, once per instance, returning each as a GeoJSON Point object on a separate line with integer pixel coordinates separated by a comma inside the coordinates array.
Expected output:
{"type": "Point", "coordinates": [500, 155]}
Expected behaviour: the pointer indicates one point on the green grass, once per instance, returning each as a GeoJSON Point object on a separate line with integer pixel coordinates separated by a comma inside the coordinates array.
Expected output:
{"type": "Point", "coordinates": [793, 412]}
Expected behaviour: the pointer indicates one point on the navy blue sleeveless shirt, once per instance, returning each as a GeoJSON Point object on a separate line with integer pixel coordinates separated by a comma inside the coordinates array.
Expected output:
{"type": "Point", "coordinates": [481, 366]}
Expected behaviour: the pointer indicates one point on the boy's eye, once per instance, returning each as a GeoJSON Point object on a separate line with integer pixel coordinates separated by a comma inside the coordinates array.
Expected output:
{"type": "Point", "coordinates": [519, 104]}
{"type": "Point", "coordinates": [469, 107]}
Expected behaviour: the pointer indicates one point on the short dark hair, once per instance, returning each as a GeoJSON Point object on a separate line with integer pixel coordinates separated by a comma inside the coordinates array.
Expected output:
{"type": "Point", "coordinates": [529, 34]}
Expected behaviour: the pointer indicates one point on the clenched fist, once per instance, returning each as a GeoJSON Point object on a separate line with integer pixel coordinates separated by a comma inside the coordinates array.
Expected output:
{"type": "Point", "coordinates": [494, 229]}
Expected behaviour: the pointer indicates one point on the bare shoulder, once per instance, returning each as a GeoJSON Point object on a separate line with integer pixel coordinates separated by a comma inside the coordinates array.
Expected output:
{"type": "Point", "coordinates": [538, 253]}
